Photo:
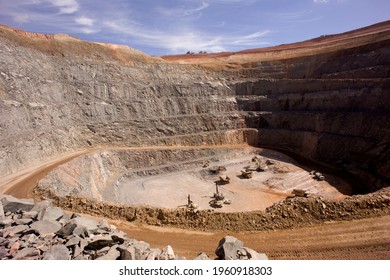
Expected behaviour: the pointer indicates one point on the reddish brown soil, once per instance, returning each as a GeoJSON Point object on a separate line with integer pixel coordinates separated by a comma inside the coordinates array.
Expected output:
{"type": "Point", "coordinates": [315, 46]}
{"type": "Point", "coordinates": [367, 238]}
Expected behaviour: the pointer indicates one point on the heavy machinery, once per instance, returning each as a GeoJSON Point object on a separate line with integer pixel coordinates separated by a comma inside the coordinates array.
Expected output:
{"type": "Point", "coordinates": [217, 170]}
{"type": "Point", "coordinates": [299, 193]}
{"type": "Point", "coordinates": [218, 199]}
{"type": "Point", "coordinates": [317, 175]}
{"type": "Point", "coordinates": [192, 208]}
{"type": "Point", "coordinates": [246, 174]}
{"type": "Point", "coordinates": [224, 179]}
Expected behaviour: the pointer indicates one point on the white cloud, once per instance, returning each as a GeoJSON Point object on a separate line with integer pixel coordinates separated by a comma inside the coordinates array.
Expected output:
{"type": "Point", "coordinates": [321, 1]}
{"type": "Point", "coordinates": [184, 39]}
{"type": "Point", "coordinates": [182, 11]}
{"type": "Point", "coordinates": [66, 6]}
{"type": "Point", "coordinates": [84, 21]}
{"type": "Point", "coordinates": [21, 18]}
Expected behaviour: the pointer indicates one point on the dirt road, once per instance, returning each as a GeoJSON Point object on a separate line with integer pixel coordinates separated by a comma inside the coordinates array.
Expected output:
{"type": "Point", "coordinates": [359, 239]}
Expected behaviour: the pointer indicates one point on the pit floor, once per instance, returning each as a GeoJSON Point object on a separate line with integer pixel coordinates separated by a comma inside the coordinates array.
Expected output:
{"type": "Point", "coordinates": [257, 193]}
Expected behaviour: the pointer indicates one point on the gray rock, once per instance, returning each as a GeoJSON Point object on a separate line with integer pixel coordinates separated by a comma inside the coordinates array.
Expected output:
{"type": "Point", "coordinates": [167, 253]}
{"type": "Point", "coordinates": [67, 229]}
{"type": "Point", "coordinates": [73, 241]}
{"type": "Point", "coordinates": [44, 228]}
{"type": "Point", "coordinates": [39, 206]}
{"type": "Point", "coordinates": [57, 252]}
{"type": "Point", "coordinates": [30, 215]}
{"type": "Point", "coordinates": [80, 231]}
{"type": "Point", "coordinates": [11, 231]}
{"type": "Point", "coordinates": [154, 254]}
{"type": "Point", "coordinates": [7, 221]}
{"type": "Point", "coordinates": [253, 255]}
{"type": "Point", "coordinates": [119, 237]}
{"type": "Point", "coordinates": [3, 252]}
{"type": "Point", "coordinates": [2, 214]}
{"type": "Point", "coordinates": [99, 242]}
{"type": "Point", "coordinates": [104, 225]}
{"type": "Point", "coordinates": [112, 254]}
{"type": "Point", "coordinates": [202, 256]}
{"type": "Point", "coordinates": [14, 205]}
{"type": "Point", "coordinates": [23, 221]}
{"type": "Point", "coordinates": [26, 253]}
{"type": "Point", "coordinates": [141, 250]}
{"type": "Point", "coordinates": [228, 247]}
{"type": "Point", "coordinates": [90, 224]}
{"type": "Point", "coordinates": [126, 253]}
{"type": "Point", "coordinates": [77, 251]}
{"type": "Point", "coordinates": [50, 214]}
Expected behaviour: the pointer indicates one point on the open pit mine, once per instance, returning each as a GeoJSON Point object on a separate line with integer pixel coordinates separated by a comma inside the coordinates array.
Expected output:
{"type": "Point", "coordinates": [286, 147]}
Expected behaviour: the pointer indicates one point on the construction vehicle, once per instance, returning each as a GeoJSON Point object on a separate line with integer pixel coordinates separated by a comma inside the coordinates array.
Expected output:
{"type": "Point", "coordinates": [246, 174]}
{"type": "Point", "coordinates": [299, 192]}
{"type": "Point", "coordinates": [261, 166]}
{"type": "Point", "coordinates": [218, 169]}
{"type": "Point", "coordinates": [192, 208]}
{"type": "Point", "coordinates": [218, 199]}
{"type": "Point", "coordinates": [317, 175]}
{"type": "Point", "coordinates": [224, 179]}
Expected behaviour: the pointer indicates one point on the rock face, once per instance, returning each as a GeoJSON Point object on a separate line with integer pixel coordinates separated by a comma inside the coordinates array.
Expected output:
{"type": "Point", "coordinates": [76, 238]}
{"type": "Point", "coordinates": [328, 103]}
{"type": "Point", "coordinates": [230, 248]}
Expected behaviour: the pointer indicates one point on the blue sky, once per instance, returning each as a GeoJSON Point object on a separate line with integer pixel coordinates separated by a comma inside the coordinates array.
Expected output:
{"type": "Point", "coordinates": [174, 27]}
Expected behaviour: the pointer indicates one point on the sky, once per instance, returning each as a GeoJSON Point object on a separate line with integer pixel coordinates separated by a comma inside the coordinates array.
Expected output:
{"type": "Point", "coordinates": [174, 27]}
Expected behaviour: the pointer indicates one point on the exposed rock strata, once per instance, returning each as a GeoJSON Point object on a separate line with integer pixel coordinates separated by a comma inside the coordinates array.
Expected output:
{"type": "Point", "coordinates": [328, 102]}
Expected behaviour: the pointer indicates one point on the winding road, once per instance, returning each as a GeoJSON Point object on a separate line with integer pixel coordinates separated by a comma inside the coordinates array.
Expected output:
{"type": "Point", "coordinates": [367, 238]}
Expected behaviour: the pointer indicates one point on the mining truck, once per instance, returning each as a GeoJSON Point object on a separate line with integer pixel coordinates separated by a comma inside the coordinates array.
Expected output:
{"type": "Point", "coordinates": [317, 175]}
{"type": "Point", "coordinates": [299, 192]}
{"type": "Point", "coordinates": [224, 179]}
{"type": "Point", "coordinates": [218, 169]}
{"type": "Point", "coordinates": [246, 174]}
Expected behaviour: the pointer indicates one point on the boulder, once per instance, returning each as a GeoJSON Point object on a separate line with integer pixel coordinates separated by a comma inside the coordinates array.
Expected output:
{"type": "Point", "coordinates": [167, 253]}
{"type": "Point", "coordinates": [253, 255]}
{"type": "Point", "coordinates": [141, 250]}
{"type": "Point", "coordinates": [99, 242]}
{"type": "Point", "coordinates": [154, 254]}
{"type": "Point", "coordinates": [89, 224]}
{"type": "Point", "coordinates": [112, 254]}
{"type": "Point", "coordinates": [67, 229]}
{"type": "Point", "coordinates": [80, 231]}
{"type": "Point", "coordinates": [228, 247]}
{"type": "Point", "coordinates": [30, 215]}
{"type": "Point", "coordinates": [44, 228]}
{"type": "Point", "coordinates": [14, 205]}
{"type": "Point", "coordinates": [11, 231]}
{"type": "Point", "coordinates": [73, 241]}
{"type": "Point", "coordinates": [26, 253]}
{"type": "Point", "coordinates": [202, 256]}
{"type": "Point", "coordinates": [57, 252]}
{"type": "Point", "coordinates": [50, 214]}
{"type": "Point", "coordinates": [126, 253]}
{"type": "Point", "coordinates": [2, 215]}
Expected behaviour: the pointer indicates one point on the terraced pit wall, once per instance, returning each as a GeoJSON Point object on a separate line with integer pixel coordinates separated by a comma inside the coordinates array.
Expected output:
{"type": "Point", "coordinates": [59, 95]}
{"type": "Point", "coordinates": [56, 103]}
{"type": "Point", "coordinates": [331, 108]}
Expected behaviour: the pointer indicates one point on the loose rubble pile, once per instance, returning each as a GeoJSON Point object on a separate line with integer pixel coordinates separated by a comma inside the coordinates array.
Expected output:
{"type": "Point", "coordinates": [41, 231]}
{"type": "Point", "coordinates": [289, 213]}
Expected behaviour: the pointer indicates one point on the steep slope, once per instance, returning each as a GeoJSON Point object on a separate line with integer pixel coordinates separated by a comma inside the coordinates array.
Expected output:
{"type": "Point", "coordinates": [325, 99]}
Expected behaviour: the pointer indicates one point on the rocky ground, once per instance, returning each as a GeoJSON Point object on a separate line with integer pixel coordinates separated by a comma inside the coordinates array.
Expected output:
{"type": "Point", "coordinates": [41, 231]}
